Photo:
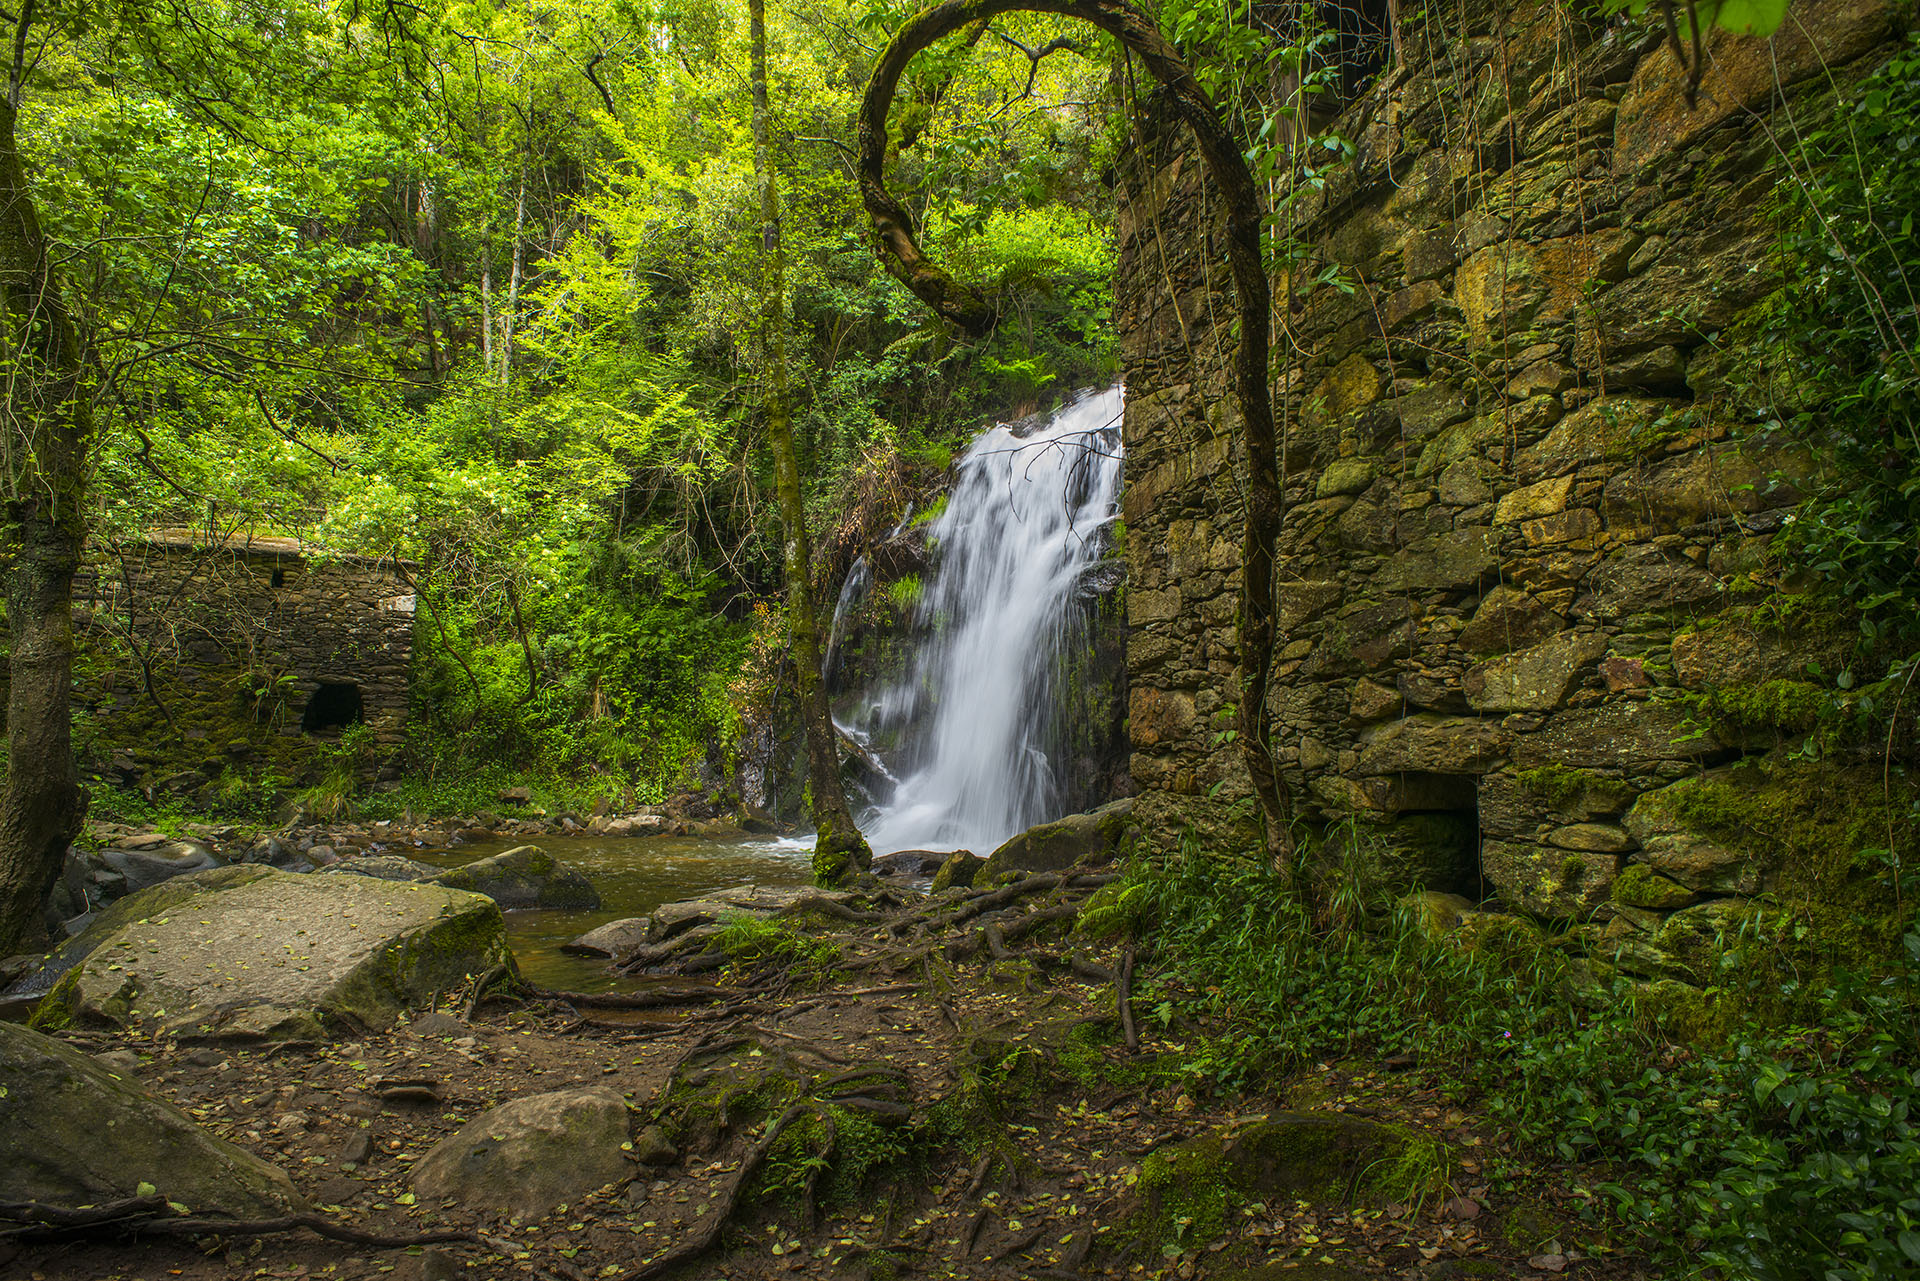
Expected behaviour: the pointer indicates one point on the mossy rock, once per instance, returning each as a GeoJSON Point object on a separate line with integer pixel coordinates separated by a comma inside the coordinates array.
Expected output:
{"type": "Point", "coordinates": [1640, 886]}
{"type": "Point", "coordinates": [959, 871]}
{"type": "Point", "coordinates": [1079, 839]}
{"type": "Point", "coordinates": [74, 1133]}
{"type": "Point", "coordinates": [250, 952]}
{"type": "Point", "coordinates": [1325, 1158]}
{"type": "Point", "coordinates": [524, 876]}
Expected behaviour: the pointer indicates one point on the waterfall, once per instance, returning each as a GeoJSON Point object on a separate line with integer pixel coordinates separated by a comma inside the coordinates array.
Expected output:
{"type": "Point", "coordinates": [979, 719]}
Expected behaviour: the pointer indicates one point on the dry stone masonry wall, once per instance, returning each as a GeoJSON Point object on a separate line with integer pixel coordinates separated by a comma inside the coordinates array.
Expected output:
{"type": "Point", "coordinates": [1525, 535]}
{"type": "Point", "coordinates": [209, 653]}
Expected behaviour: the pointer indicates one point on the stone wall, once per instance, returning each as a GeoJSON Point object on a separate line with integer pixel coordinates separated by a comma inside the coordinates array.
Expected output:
{"type": "Point", "coordinates": [1526, 532]}
{"type": "Point", "coordinates": [239, 650]}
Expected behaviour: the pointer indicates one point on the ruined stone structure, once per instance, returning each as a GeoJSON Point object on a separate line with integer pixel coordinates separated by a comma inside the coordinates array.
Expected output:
{"type": "Point", "coordinates": [1525, 523]}
{"type": "Point", "coordinates": [240, 649]}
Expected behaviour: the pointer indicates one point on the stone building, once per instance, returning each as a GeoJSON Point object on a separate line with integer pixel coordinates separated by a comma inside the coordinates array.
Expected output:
{"type": "Point", "coordinates": [1526, 533]}
{"type": "Point", "coordinates": [229, 650]}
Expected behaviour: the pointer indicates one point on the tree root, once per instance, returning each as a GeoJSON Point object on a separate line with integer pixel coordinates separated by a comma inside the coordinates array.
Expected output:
{"type": "Point", "coordinates": [1123, 996]}
{"type": "Point", "coordinates": [714, 1222]}
{"type": "Point", "coordinates": [151, 1216]}
{"type": "Point", "coordinates": [653, 1000]}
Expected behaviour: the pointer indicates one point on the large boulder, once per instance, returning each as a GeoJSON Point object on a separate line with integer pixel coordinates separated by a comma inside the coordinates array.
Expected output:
{"type": "Point", "coordinates": [74, 1133]}
{"type": "Point", "coordinates": [144, 868]}
{"type": "Point", "coordinates": [524, 876]}
{"type": "Point", "coordinates": [251, 952]}
{"type": "Point", "coordinates": [384, 867]}
{"type": "Point", "coordinates": [527, 1156]}
{"type": "Point", "coordinates": [1054, 847]}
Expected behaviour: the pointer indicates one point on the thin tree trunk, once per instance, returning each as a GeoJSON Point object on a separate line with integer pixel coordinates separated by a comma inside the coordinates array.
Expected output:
{"type": "Point", "coordinates": [41, 804]}
{"type": "Point", "coordinates": [486, 302]}
{"type": "Point", "coordinates": [512, 310]}
{"type": "Point", "coordinates": [839, 850]}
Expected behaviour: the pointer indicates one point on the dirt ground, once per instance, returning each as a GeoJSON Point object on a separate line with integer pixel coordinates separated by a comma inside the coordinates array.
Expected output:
{"type": "Point", "coordinates": [1046, 1195]}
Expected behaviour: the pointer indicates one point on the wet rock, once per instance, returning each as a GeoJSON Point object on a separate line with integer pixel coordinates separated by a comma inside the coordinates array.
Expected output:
{"type": "Point", "coordinates": [72, 1133]}
{"type": "Point", "coordinates": [525, 876]}
{"type": "Point", "coordinates": [908, 864]}
{"type": "Point", "coordinates": [527, 1156]}
{"type": "Point", "coordinates": [251, 952]}
{"type": "Point", "coordinates": [615, 938]}
{"type": "Point", "coordinates": [385, 867]}
{"type": "Point", "coordinates": [1546, 880]}
{"type": "Point", "coordinates": [148, 867]}
{"type": "Point", "coordinates": [1078, 839]}
{"type": "Point", "coordinates": [959, 871]}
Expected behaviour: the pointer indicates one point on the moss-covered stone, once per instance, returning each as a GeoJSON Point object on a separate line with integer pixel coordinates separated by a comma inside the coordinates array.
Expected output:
{"type": "Point", "coordinates": [1640, 886]}
{"type": "Point", "coordinates": [1096, 837]}
{"type": "Point", "coordinates": [250, 952]}
{"type": "Point", "coordinates": [959, 871]}
{"type": "Point", "coordinates": [73, 1133]}
{"type": "Point", "coordinates": [524, 876]}
{"type": "Point", "coordinates": [1184, 1192]}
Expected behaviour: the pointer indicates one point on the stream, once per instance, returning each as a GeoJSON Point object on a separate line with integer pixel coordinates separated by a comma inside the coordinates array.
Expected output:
{"type": "Point", "coordinates": [634, 875]}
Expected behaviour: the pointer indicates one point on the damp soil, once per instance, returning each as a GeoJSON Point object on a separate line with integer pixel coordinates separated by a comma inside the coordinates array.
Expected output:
{"type": "Point", "coordinates": [1043, 1191]}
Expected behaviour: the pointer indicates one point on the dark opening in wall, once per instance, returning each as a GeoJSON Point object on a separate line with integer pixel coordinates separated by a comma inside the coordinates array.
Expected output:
{"type": "Point", "coordinates": [1433, 839]}
{"type": "Point", "coordinates": [279, 578]}
{"type": "Point", "coordinates": [335, 705]}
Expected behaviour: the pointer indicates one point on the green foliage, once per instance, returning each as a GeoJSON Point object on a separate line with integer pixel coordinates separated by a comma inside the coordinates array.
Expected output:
{"type": "Point", "coordinates": [1772, 1152]}
{"type": "Point", "coordinates": [1839, 370]}
{"type": "Point", "coordinates": [756, 941]}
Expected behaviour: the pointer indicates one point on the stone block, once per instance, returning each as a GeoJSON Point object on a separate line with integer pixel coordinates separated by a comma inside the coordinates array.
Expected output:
{"type": "Point", "coordinates": [1508, 619]}
{"type": "Point", "coordinates": [1433, 745]}
{"type": "Point", "coordinates": [1619, 735]}
{"type": "Point", "coordinates": [1670, 848]}
{"type": "Point", "coordinates": [1599, 431]}
{"type": "Point", "coordinates": [1743, 74]}
{"type": "Point", "coordinates": [1372, 701]}
{"type": "Point", "coordinates": [1546, 881]}
{"type": "Point", "coordinates": [1543, 498]}
{"type": "Point", "coordinates": [1534, 680]}
{"type": "Point", "coordinates": [1158, 716]}
{"type": "Point", "coordinates": [1460, 559]}
{"type": "Point", "coordinates": [1344, 476]}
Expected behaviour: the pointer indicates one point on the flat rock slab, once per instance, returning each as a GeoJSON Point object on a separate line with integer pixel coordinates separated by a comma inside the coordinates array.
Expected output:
{"type": "Point", "coordinates": [1077, 839]}
{"type": "Point", "coordinates": [251, 952]}
{"type": "Point", "coordinates": [385, 867]}
{"type": "Point", "coordinates": [73, 1132]}
{"type": "Point", "coordinates": [527, 1156]}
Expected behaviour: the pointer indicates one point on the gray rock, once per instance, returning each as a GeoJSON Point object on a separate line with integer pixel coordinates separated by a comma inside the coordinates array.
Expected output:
{"type": "Point", "coordinates": [908, 864]}
{"type": "Point", "coordinates": [251, 952]}
{"type": "Point", "coordinates": [148, 867]}
{"type": "Point", "coordinates": [612, 939]}
{"type": "Point", "coordinates": [524, 876]}
{"type": "Point", "coordinates": [73, 1133]}
{"type": "Point", "coordinates": [1078, 839]}
{"type": "Point", "coordinates": [1695, 861]}
{"type": "Point", "coordinates": [527, 1156]}
{"type": "Point", "coordinates": [438, 1024]}
{"type": "Point", "coordinates": [385, 867]}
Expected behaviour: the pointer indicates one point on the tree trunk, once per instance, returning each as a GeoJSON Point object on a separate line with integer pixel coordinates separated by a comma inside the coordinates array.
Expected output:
{"type": "Point", "coordinates": [511, 312]}
{"type": "Point", "coordinates": [973, 313]}
{"type": "Point", "coordinates": [51, 421]}
{"type": "Point", "coordinates": [839, 850]}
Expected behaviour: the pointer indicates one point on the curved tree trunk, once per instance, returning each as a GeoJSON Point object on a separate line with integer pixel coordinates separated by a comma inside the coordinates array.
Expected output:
{"type": "Point", "coordinates": [50, 430]}
{"type": "Point", "coordinates": [968, 309]}
{"type": "Point", "coordinates": [839, 849]}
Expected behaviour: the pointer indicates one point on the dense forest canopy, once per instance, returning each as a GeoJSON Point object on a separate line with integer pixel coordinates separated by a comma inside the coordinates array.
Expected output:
{"type": "Point", "coordinates": [476, 289]}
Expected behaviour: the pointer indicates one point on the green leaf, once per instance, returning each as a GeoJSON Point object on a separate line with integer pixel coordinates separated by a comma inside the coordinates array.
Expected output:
{"type": "Point", "coordinates": [1750, 17]}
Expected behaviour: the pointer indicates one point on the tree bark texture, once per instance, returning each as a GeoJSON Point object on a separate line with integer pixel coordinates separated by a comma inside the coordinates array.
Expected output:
{"type": "Point", "coordinates": [48, 431]}
{"type": "Point", "coordinates": [839, 849]}
{"type": "Point", "coordinates": [970, 311]}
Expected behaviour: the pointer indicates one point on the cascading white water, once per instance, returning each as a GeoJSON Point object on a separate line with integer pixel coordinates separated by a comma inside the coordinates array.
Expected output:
{"type": "Point", "coordinates": [977, 714]}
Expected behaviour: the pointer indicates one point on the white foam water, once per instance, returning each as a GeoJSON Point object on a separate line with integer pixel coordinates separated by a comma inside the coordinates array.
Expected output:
{"type": "Point", "coordinates": [983, 738]}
